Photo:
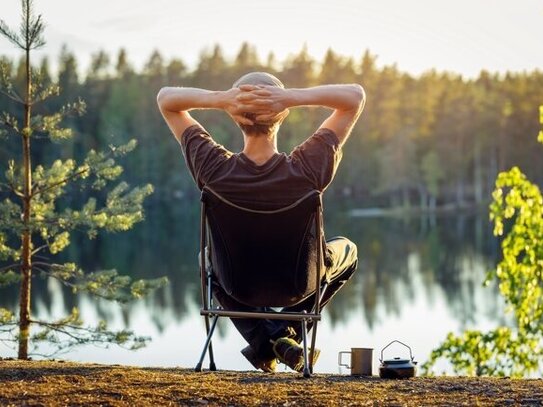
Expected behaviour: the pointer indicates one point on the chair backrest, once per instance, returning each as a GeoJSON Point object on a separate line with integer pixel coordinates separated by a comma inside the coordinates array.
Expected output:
{"type": "Point", "coordinates": [264, 258]}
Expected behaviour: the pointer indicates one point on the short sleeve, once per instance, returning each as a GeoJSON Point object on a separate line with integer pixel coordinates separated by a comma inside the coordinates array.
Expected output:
{"type": "Point", "coordinates": [202, 154]}
{"type": "Point", "coordinates": [319, 157]}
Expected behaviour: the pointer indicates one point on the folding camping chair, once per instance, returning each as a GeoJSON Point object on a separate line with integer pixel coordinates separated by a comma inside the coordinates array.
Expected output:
{"type": "Point", "coordinates": [262, 258]}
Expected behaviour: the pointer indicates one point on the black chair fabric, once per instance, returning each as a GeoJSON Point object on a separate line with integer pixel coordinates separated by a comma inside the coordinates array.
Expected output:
{"type": "Point", "coordinates": [263, 258]}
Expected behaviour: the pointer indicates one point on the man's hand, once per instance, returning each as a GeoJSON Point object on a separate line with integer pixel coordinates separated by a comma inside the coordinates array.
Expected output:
{"type": "Point", "coordinates": [236, 109]}
{"type": "Point", "coordinates": [347, 101]}
{"type": "Point", "coordinates": [266, 103]}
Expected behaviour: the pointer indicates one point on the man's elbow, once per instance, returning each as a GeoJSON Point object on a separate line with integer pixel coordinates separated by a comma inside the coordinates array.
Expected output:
{"type": "Point", "coordinates": [161, 97]}
{"type": "Point", "coordinates": [359, 97]}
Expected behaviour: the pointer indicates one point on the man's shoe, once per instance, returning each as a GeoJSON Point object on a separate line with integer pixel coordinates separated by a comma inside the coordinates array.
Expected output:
{"type": "Point", "coordinates": [267, 366]}
{"type": "Point", "coordinates": [289, 352]}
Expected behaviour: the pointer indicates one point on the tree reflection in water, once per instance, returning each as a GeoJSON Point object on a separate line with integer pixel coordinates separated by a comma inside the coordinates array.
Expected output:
{"type": "Point", "coordinates": [400, 260]}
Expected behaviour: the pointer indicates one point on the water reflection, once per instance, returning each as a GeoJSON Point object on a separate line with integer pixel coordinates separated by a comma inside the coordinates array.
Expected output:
{"type": "Point", "coordinates": [408, 267]}
{"type": "Point", "coordinates": [450, 257]}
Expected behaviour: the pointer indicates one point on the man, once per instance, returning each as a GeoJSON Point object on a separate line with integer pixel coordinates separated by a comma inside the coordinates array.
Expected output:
{"type": "Point", "coordinates": [261, 178]}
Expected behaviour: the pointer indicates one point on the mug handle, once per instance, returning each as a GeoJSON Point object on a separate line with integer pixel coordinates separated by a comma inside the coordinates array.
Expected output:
{"type": "Point", "coordinates": [339, 359]}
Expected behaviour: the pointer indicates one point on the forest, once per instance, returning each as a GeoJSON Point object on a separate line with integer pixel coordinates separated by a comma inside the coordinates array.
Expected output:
{"type": "Point", "coordinates": [435, 140]}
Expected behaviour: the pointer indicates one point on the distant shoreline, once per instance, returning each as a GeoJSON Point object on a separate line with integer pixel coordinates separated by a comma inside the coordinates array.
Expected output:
{"type": "Point", "coordinates": [401, 211]}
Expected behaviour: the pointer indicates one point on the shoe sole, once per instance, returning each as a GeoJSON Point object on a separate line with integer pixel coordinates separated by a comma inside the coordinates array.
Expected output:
{"type": "Point", "coordinates": [298, 364]}
{"type": "Point", "coordinates": [299, 367]}
{"type": "Point", "coordinates": [249, 354]}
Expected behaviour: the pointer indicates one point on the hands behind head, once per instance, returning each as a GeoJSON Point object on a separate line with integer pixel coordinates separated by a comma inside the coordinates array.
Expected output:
{"type": "Point", "coordinates": [263, 103]}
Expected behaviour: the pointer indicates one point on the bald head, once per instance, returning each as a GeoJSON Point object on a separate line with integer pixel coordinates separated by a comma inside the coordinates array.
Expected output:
{"type": "Point", "coordinates": [258, 78]}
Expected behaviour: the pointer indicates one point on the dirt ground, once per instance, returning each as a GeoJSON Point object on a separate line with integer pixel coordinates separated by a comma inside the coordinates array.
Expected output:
{"type": "Point", "coordinates": [57, 383]}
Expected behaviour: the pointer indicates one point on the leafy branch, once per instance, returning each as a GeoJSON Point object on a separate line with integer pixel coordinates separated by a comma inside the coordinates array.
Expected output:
{"type": "Point", "coordinates": [6, 87]}
{"type": "Point", "coordinates": [100, 164]}
{"type": "Point", "coordinates": [9, 121]}
{"type": "Point", "coordinates": [50, 124]}
{"type": "Point", "coordinates": [106, 284]}
{"type": "Point", "coordinates": [84, 171]}
{"type": "Point", "coordinates": [69, 332]}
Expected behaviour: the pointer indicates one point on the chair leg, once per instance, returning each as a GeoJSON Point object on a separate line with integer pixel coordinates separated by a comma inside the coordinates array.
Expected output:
{"type": "Point", "coordinates": [312, 349]}
{"type": "Point", "coordinates": [207, 345]}
{"type": "Point", "coordinates": [212, 366]}
{"type": "Point", "coordinates": [314, 332]}
{"type": "Point", "coordinates": [304, 340]}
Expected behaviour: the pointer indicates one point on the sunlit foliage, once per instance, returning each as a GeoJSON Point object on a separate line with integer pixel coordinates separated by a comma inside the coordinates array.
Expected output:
{"type": "Point", "coordinates": [37, 212]}
{"type": "Point", "coordinates": [517, 213]}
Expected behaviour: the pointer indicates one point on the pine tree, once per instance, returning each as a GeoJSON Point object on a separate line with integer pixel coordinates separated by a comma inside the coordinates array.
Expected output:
{"type": "Point", "coordinates": [36, 220]}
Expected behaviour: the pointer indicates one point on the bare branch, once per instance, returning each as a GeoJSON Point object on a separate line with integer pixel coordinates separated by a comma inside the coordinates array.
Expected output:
{"type": "Point", "coordinates": [13, 96]}
{"type": "Point", "coordinates": [36, 40]}
{"type": "Point", "coordinates": [38, 249]}
{"type": "Point", "coordinates": [42, 257]}
{"type": "Point", "coordinates": [8, 340]}
{"type": "Point", "coordinates": [41, 263]}
{"type": "Point", "coordinates": [5, 186]}
{"type": "Point", "coordinates": [58, 328]}
{"type": "Point", "coordinates": [11, 35]}
{"type": "Point", "coordinates": [9, 267]}
{"type": "Point", "coordinates": [41, 270]}
{"type": "Point", "coordinates": [85, 335]}
{"type": "Point", "coordinates": [12, 188]}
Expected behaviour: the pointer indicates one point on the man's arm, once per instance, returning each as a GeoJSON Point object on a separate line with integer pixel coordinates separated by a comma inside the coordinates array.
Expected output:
{"type": "Point", "coordinates": [175, 104]}
{"type": "Point", "coordinates": [347, 102]}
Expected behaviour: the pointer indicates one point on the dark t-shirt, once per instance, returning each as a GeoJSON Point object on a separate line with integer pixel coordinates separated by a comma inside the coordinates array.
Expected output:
{"type": "Point", "coordinates": [280, 181]}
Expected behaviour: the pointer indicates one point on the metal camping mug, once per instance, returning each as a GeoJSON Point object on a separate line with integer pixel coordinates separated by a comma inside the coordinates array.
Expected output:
{"type": "Point", "coordinates": [361, 361]}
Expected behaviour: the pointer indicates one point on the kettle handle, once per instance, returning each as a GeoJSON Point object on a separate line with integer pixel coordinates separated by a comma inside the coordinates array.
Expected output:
{"type": "Point", "coordinates": [382, 350]}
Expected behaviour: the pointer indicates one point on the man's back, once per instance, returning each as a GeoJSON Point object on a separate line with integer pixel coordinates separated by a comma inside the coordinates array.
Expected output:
{"type": "Point", "coordinates": [278, 182]}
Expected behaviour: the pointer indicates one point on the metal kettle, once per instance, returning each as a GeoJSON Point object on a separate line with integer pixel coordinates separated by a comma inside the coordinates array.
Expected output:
{"type": "Point", "coordinates": [397, 368]}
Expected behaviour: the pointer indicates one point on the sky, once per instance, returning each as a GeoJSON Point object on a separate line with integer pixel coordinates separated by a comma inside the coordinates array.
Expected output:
{"type": "Point", "coordinates": [463, 36]}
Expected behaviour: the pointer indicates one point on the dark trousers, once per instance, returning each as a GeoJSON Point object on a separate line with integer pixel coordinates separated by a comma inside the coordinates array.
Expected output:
{"type": "Point", "coordinates": [342, 256]}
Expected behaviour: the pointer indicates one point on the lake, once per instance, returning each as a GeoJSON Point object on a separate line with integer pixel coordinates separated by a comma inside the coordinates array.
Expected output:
{"type": "Point", "coordinates": [418, 279]}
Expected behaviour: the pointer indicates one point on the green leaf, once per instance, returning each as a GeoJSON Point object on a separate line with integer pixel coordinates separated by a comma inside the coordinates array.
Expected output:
{"type": "Point", "coordinates": [60, 242]}
{"type": "Point", "coordinates": [6, 317]}
{"type": "Point", "coordinates": [9, 277]}
{"type": "Point", "coordinates": [6, 251]}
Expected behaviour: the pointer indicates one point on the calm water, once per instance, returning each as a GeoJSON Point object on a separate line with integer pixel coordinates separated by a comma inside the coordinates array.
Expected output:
{"type": "Point", "coordinates": [418, 279]}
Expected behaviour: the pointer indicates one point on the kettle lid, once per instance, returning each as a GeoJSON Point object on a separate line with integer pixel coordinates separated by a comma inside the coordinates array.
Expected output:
{"type": "Point", "coordinates": [397, 360]}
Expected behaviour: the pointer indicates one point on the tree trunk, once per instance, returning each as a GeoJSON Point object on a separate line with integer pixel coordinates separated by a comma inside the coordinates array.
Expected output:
{"type": "Point", "coordinates": [423, 197]}
{"type": "Point", "coordinates": [478, 175]}
{"type": "Point", "coordinates": [26, 238]}
{"type": "Point", "coordinates": [460, 193]}
{"type": "Point", "coordinates": [405, 197]}
{"type": "Point", "coordinates": [493, 172]}
{"type": "Point", "coordinates": [432, 203]}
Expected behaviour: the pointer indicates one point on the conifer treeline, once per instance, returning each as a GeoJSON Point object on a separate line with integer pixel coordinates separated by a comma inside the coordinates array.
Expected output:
{"type": "Point", "coordinates": [425, 140]}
